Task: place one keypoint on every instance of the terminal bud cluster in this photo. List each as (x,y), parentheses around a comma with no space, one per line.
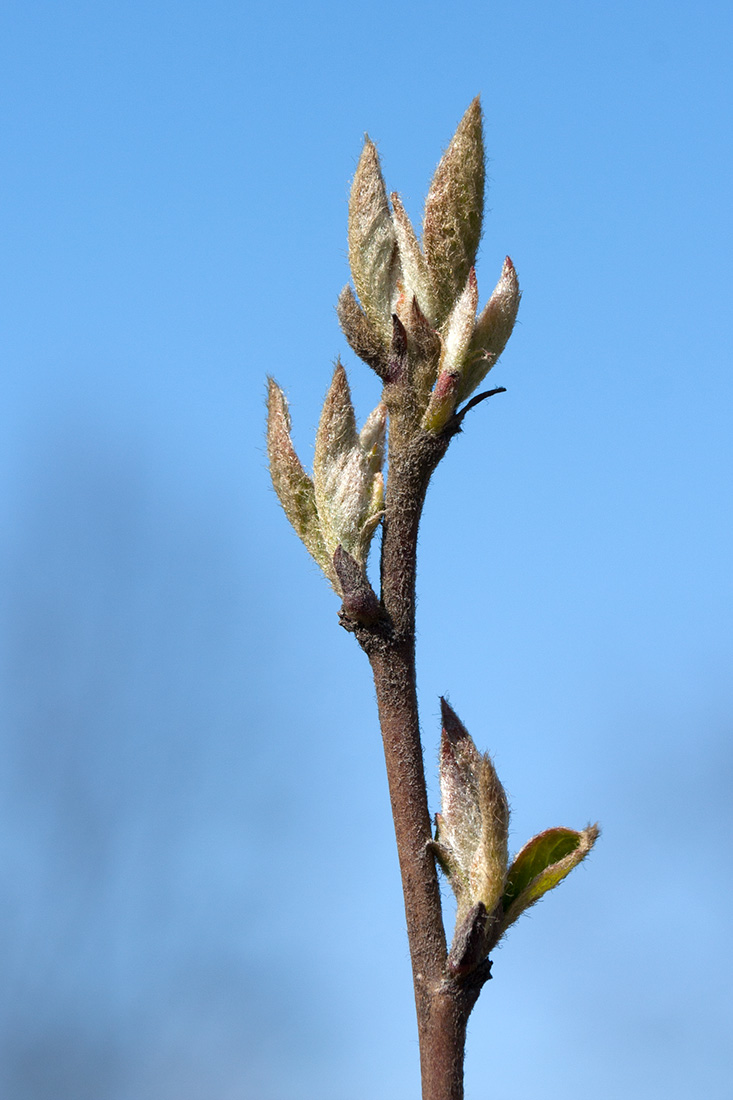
(471,847)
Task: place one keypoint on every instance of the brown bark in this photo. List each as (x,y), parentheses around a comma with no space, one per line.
(385,629)
(443,1001)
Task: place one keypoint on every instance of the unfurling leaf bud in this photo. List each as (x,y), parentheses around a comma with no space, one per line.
(492,330)
(349,488)
(431,287)
(471,848)
(454,212)
(372,242)
(343,504)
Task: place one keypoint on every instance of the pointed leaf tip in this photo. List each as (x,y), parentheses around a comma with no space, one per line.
(453,727)
(454,211)
(336,428)
(372,240)
(294,488)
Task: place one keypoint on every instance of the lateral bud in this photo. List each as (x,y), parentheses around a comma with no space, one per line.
(473,827)
(470,847)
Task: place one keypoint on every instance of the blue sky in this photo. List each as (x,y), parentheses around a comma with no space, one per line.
(201,897)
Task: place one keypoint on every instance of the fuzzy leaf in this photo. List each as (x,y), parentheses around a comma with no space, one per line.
(454,212)
(372,242)
(335,439)
(294,488)
(415,274)
(541,864)
(493,328)
(488,873)
(459,327)
(363,338)
(347,472)
(371,438)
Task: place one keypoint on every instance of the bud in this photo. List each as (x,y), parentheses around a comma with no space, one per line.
(454,212)
(471,848)
(294,488)
(348,483)
(343,504)
(472,830)
(492,330)
(372,242)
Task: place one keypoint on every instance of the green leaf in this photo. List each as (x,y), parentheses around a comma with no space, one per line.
(543,862)
(538,854)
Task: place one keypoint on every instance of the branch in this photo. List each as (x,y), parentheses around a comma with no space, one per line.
(443,999)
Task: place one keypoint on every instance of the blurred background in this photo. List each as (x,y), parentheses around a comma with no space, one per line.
(199,895)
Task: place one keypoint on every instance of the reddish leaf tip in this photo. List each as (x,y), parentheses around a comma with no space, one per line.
(453,727)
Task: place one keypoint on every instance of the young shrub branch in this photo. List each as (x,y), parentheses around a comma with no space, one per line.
(413,317)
